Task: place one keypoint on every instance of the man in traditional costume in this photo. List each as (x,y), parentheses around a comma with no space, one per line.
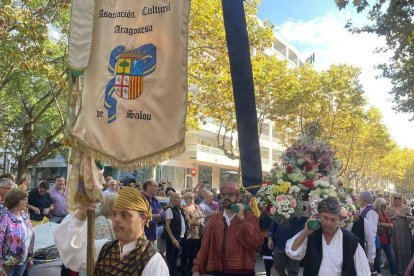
(230,240)
(328,250)
(129,254)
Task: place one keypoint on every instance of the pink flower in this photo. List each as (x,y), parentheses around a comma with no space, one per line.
(293,203)
(289,169)
(272,211)
(281,198)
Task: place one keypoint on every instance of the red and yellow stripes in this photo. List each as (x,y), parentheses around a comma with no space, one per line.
(136,84)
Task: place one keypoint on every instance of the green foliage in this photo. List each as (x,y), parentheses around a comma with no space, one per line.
(32,78)
(393,20)
(209,69)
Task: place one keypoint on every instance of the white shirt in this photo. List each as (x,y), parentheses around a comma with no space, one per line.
(108,192)
(370,231)
(169,215)
(332,256)
(70,240)
(28,235)
(228,219)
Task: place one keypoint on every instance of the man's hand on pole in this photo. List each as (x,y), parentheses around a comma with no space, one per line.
(81,213)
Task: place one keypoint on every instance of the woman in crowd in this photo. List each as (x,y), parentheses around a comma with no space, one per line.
(16,235)
(196,228)
(24,183)
(384,231)
(174,231)
(400,215)
(103,223)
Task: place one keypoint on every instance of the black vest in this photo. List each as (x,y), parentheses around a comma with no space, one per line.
(175,224)
(109,262)
(358,227)
(314,254)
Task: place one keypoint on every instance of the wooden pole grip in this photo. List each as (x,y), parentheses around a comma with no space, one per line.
(90,261)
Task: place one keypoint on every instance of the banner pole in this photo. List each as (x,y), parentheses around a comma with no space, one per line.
(90,262)
(243,91)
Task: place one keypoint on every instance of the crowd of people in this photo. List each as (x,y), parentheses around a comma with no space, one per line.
(204,232)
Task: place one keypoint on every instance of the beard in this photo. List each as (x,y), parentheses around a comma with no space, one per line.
(227,203)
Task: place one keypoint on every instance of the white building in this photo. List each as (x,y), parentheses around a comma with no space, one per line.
(211,165)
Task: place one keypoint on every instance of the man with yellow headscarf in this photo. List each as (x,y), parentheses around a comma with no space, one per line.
(129,254)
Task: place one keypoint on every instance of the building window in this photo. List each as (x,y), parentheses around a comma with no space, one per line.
(227,175)
(175,175)
(205,175)
(206,143)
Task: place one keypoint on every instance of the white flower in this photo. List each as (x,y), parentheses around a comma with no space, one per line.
(294,189)
(297,176)
(321,183)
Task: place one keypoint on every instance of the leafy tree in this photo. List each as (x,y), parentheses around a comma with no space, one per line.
(32,78)
(393,20)
(209,69)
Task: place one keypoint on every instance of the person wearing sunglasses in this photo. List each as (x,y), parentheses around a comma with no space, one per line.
(230,240)
(401,217)
(328,249)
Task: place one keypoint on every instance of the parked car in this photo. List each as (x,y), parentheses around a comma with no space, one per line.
(46,259)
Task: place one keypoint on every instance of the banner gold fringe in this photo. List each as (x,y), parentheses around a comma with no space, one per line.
(149,160)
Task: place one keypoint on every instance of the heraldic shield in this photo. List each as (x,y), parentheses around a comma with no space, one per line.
(129,68)
(129,79)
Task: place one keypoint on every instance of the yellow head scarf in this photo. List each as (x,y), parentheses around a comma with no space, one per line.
(130,198)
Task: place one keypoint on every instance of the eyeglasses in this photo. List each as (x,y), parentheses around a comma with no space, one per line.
(228,194)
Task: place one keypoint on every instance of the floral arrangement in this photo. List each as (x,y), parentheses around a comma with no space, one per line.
(278,202)
(306,174)
(305,162)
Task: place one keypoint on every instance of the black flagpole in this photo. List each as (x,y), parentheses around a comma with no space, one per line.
(243,91)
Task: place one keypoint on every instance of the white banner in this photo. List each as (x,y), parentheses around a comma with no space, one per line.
(133,101)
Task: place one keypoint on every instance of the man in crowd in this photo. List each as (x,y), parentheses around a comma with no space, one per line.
(206,206)
(169,191)
(111,187)
(365,227)
(277,236)
(158,214)
(58,195)
(129,254)
(5,185)
(231,239)
(329,249)
(40,204)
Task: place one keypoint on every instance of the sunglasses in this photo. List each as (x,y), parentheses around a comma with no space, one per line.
(399,198)
(383,206)
(228,194)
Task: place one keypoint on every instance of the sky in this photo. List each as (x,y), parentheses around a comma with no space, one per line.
(317,27)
